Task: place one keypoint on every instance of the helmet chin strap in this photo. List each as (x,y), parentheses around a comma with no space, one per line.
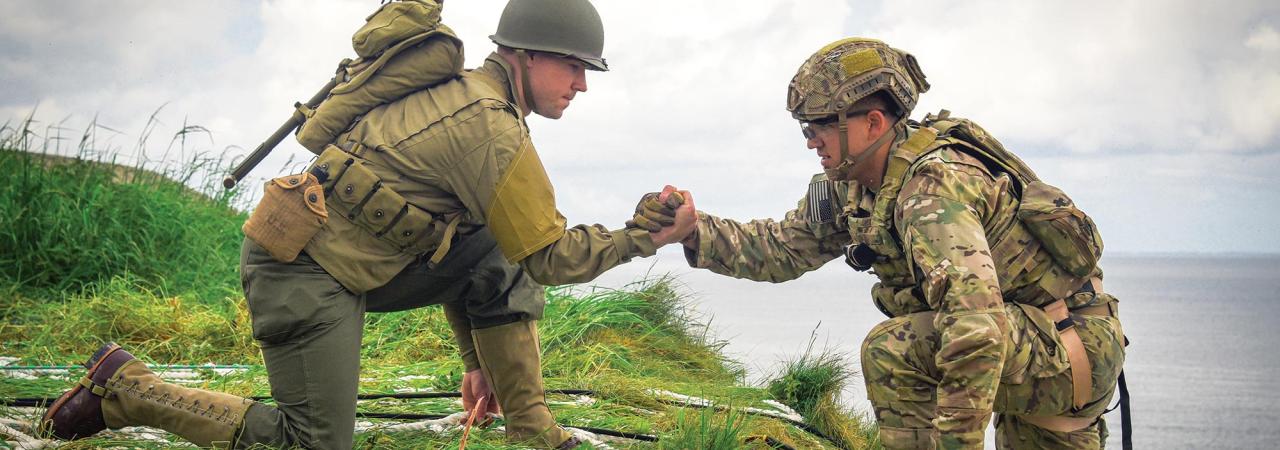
(844,171)
(523,59)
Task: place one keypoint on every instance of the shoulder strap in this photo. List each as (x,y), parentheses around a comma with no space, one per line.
(968,137)
(920,141)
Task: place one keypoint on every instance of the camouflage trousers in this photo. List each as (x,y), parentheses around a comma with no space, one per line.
(902,377)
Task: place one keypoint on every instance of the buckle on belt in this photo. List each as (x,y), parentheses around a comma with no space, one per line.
(1081,369)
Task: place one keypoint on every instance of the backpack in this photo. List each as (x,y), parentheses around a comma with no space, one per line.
(1067,233)
(402,48)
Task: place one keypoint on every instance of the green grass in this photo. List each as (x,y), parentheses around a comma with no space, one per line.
(92,251)
(68,224)
(707,430)
(811,384)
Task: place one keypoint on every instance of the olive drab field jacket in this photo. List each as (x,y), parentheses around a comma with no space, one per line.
(413,175)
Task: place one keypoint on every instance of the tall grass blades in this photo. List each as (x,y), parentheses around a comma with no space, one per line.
(707,429)
(166,329)
(811,384)
(92,250)
(67,224)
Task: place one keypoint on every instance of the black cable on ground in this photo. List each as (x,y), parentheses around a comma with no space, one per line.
(26,402)
(43,401)
(798,424)
(771,442)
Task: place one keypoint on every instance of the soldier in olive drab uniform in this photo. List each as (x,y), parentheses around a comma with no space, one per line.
(459,160)
(975,299)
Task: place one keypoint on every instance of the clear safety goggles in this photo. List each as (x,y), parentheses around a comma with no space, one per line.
(811,128)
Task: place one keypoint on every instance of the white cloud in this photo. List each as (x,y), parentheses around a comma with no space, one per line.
(1150,94)
(1097,76)
(1263,38)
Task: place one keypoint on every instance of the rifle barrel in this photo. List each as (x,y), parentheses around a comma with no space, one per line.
(266,146)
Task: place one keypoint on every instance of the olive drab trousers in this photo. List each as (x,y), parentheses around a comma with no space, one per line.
(309,328)
(900,370)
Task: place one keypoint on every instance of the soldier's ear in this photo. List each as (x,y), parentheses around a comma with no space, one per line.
(878,121)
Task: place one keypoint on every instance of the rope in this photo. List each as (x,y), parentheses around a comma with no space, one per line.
(172,372)
(680,400)
(23,441)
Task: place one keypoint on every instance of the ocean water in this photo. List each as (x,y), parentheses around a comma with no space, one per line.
(1202,366)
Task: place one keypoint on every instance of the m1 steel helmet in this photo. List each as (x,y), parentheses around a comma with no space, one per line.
(565,27)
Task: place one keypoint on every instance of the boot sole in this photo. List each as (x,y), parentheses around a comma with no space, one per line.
(46,421)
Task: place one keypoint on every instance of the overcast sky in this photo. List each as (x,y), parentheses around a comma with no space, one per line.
(1159,118)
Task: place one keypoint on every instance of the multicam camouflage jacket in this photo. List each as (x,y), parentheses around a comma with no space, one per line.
(957,221)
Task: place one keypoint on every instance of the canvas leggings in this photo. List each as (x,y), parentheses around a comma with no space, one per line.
(902,375)
(309,328)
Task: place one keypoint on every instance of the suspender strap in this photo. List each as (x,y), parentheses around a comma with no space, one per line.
(446,240)
(908,153)
(1081,383)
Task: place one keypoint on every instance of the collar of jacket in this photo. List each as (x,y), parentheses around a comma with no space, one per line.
(496,68)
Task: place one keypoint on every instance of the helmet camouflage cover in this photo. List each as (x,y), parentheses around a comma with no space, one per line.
(848,70)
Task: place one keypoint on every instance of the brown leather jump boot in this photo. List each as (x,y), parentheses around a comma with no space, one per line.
(120,391)
(77,413)
(511,362)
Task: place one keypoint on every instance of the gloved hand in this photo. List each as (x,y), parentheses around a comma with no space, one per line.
(652,214)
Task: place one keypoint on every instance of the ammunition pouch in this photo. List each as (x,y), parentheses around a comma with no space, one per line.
(1067,233)
(353,191)
(291,212)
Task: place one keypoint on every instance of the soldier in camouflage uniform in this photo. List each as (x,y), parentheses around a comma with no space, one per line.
(984,315)
(437,198)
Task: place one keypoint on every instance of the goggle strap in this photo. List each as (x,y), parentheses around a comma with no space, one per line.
(844,137)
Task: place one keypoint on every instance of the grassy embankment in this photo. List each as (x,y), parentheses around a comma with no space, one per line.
(90,250)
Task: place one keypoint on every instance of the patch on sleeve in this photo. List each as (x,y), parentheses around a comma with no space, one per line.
(821,202)
(523,216)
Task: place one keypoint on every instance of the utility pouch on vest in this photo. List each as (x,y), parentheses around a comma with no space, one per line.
(1067,233)
(1052,360)
(357,193)
(291,212)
